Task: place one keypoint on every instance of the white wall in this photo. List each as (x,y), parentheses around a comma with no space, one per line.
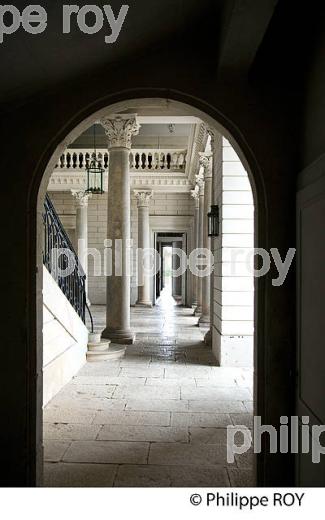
(233,320)
(65,339)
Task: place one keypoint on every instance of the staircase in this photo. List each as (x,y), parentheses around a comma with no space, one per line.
(73,286)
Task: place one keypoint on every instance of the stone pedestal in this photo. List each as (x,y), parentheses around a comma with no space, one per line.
(143,197)
(119,130)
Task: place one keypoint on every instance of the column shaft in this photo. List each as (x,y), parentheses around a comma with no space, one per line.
(206,280)
(198,310)
(144,297)
(82,235)
(82,230)
(195,195)
(118,230)
(206,161)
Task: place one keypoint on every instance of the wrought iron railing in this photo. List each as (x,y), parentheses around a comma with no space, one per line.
(61,260)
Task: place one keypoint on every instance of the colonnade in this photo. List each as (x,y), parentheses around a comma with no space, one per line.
(119,130)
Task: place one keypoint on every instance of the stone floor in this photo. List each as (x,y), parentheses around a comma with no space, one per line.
(157,417)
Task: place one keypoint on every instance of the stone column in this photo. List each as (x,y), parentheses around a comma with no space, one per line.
(143,197)
(200,183)
(206,162)
(82,198)
(195,194)
(119,130)
(214,139)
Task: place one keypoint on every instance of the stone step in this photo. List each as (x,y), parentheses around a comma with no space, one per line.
(99,347)
(114,352)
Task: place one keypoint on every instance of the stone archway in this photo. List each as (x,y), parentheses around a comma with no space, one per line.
(245,155)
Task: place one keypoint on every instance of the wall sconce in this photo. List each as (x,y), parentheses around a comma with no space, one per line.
(214,222)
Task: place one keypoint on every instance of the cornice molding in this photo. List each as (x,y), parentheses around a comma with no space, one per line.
(198,145)
(60,181)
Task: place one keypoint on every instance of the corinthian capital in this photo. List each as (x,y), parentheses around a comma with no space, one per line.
(120,129)
(206,161)
(195,193)
(81,197)
(200,183)
(143,197)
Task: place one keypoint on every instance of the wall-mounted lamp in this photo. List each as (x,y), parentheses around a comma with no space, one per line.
(214,222)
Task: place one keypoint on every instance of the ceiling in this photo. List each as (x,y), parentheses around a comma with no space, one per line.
(227,34)
(33,63)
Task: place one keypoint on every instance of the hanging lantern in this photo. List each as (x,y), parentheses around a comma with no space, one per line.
(213,222)
(95,172)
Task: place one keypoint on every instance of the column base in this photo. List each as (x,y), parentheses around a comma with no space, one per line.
(121,337)
(147,304)
(208,338)
(204,320)
(198,311)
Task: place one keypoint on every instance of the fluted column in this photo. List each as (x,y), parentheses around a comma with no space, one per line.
(196,196)
(82,198)
(206,162)
(143,197)
(200,183)
(119,130)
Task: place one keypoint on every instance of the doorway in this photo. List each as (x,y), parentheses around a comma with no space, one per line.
(171,275)
(167,270)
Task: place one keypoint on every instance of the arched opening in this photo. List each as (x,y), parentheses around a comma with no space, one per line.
(179,109)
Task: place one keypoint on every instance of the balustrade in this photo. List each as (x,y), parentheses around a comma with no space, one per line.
(141,160)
